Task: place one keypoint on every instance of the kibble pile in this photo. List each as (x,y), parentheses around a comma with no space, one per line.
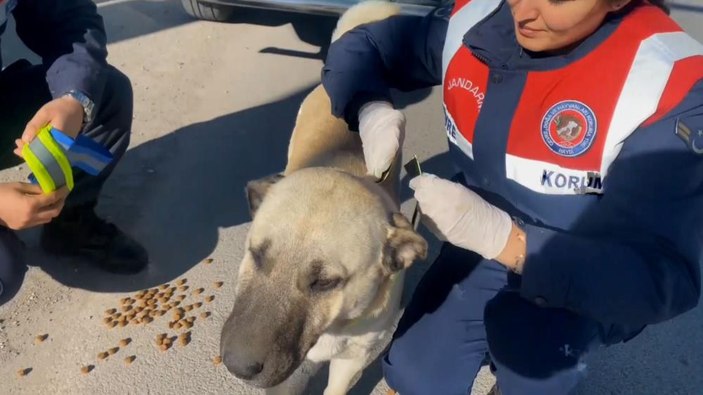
(145,308)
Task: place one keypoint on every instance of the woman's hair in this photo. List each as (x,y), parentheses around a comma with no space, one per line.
(635,3)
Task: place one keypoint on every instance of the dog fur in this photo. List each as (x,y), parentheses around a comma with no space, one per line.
(322,274)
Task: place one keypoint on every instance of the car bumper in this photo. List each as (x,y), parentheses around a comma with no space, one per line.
(320,7)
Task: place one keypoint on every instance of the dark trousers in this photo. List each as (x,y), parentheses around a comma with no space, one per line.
(466,311)
(23,90)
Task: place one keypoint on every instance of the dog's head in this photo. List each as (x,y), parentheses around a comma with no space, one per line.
(321,248)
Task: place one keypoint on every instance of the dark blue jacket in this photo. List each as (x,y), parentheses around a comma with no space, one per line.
(628,257)
(69,36)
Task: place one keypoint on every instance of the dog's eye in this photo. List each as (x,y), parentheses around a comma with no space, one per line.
(325,284)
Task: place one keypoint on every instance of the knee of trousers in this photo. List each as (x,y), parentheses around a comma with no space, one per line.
(550,341)
(115,112)
(12,265)
(410,368)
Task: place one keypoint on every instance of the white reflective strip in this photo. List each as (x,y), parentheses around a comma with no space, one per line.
(644,87)
(455,136)
(460,23)
(548,178)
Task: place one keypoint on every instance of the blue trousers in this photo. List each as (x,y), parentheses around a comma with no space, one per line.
(466,311)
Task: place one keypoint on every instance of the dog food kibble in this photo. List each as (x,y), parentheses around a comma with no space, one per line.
(198,291)
(127,308)
(209,261)
(189,307)
(123,323)
(164,346)
(210,298)
(218,284)
(41,338)
(184,339)
(113,324)
(103,355)
(129,359)
(183,288)
(107,320)
(124,300)
(198,305)
(24,372)
(205,314)
(113,350)
(182,281)
(217,360)
(87,369)
(147,319)
(163,286)
(110,311)
(124,342)
(180,297)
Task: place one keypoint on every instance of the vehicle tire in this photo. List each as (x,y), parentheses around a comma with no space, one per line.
(207,11)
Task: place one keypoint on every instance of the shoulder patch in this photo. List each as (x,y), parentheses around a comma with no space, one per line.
(693,137)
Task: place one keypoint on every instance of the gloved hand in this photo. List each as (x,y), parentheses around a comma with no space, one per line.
(459,216)
(382,131)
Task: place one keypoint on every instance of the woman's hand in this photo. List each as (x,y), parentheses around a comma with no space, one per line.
(382,131)
(459,216)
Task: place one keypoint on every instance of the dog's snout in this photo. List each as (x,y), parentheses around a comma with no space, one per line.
(243,368)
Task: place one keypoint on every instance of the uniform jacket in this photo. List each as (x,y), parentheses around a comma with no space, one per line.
(69,36)
(598,151)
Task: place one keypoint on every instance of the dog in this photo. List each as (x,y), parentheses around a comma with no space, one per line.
(323,270)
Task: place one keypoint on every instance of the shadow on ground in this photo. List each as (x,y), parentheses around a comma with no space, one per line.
(176,193)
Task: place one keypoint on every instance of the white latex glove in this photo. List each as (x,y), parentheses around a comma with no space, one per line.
(382,130)
(459,216)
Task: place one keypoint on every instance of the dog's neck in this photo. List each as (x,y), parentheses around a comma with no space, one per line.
(376,308)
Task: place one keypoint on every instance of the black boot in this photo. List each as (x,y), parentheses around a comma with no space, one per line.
(79,232)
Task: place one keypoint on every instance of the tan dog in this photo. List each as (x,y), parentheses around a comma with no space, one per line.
(322,274)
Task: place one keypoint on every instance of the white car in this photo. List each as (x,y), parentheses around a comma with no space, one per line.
(222,10)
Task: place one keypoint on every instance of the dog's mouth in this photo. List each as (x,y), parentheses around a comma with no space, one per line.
(263,353)
(278,365)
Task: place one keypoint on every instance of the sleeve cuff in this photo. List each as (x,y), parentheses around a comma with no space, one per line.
(543,282)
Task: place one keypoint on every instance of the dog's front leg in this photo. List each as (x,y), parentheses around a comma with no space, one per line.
(285,388)
(343,374)
(297,382)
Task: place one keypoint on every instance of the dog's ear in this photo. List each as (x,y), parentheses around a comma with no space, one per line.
(403,245)
(256,191)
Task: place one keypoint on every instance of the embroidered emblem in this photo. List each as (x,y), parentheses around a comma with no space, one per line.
(569,128)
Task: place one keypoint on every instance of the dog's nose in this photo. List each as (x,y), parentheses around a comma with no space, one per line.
(241,367)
